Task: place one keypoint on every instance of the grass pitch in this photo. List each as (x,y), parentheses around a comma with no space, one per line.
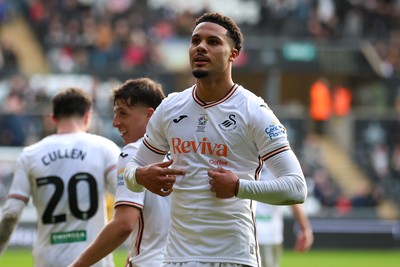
(313,258)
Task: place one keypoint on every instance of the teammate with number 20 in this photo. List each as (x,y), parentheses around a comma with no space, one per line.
(67,175)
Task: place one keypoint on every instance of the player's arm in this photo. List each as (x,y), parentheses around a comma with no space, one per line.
(289,187)
(111,236)
(111,153)
(147,170)
(305,236)
(271,139)
(11,213)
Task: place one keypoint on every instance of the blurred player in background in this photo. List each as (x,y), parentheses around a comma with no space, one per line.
(270,229)
(146,214)
(218,134)
(67,175)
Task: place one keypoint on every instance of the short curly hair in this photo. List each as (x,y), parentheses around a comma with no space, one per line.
(233,29)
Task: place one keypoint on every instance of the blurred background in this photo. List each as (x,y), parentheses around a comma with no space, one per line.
(330,70)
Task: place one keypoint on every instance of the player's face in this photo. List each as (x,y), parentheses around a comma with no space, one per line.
(210,50)
(130,121)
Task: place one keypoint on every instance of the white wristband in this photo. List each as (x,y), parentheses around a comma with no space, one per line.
(130,180)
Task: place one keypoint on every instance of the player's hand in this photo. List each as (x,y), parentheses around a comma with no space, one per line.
(223,182)
(304,241)
(158,178)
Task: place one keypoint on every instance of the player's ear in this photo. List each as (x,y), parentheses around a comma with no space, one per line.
(53,119)
(234,54)
(149,112)
(87,117)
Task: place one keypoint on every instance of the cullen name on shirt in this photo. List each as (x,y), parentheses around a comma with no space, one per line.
(65,154)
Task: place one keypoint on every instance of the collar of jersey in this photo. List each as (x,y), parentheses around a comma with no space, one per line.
(214,103)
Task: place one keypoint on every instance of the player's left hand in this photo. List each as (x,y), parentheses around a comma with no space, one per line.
(304,240)
(223,182)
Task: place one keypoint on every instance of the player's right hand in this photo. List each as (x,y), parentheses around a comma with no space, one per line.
(158,178)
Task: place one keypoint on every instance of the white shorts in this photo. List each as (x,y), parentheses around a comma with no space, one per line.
(202,264)
(271,255)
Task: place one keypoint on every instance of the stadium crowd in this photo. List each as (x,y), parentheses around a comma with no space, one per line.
(129,35)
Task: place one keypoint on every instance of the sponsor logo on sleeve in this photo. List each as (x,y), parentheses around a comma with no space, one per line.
(275,130)
(120,177)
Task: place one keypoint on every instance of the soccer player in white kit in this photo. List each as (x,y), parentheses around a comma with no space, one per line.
(219,134)
(270,229)
(144,215)
(67,174)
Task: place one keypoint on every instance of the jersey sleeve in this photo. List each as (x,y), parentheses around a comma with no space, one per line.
(153,149)
(123,195)
(268,132)
(155,137)
(288,188)
(270,137)
(111,155)
(20,186)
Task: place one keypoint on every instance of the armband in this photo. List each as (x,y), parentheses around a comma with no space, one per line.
(130,181)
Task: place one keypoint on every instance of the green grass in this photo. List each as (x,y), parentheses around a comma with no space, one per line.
(23,258)
(313,258)
(342,258)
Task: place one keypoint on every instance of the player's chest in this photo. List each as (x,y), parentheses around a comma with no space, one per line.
(196,126)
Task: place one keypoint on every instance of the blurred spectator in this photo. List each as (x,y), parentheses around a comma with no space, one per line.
(394,127)
(367,196)
(119,6)
(341,101)
(135,53)
(311,155)
(6,11)
(8,57)
(320,105)
(105,53)
(12,121)
(324,189)
(395,160)
(38,16)
(380,161)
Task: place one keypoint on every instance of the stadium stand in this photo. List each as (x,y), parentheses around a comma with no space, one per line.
(28,51)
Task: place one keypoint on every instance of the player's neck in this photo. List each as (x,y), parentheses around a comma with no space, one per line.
(70,126)
(209,91)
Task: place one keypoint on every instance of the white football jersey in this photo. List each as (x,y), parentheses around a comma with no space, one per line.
(67,176)
(269,218)
(150,234)
(237,132)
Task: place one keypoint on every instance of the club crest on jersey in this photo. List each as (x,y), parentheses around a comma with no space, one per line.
(202,120)
(228,124)
(275,129)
